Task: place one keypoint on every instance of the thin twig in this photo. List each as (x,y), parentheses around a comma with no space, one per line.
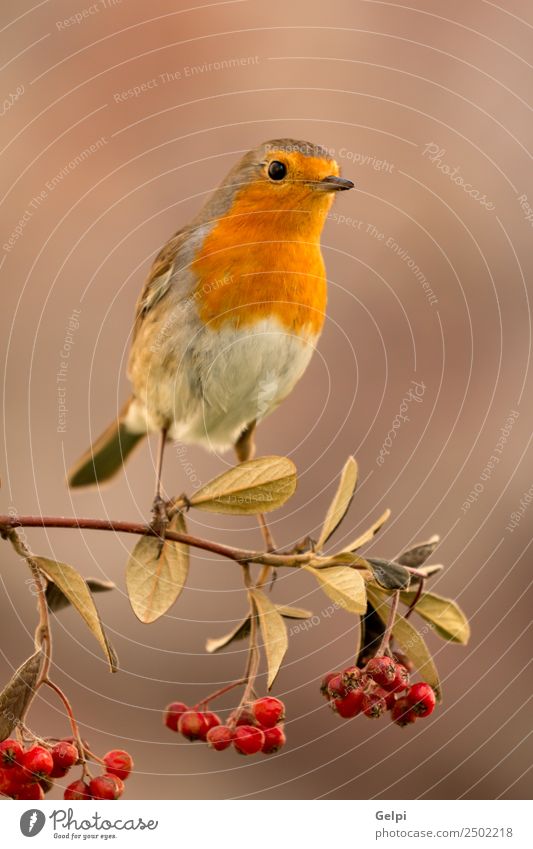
(72,719)
(416,598)
(385,640)
(212,696)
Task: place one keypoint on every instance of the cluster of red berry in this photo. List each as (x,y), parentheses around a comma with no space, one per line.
(256,727)
(30,773)
(383,684)
(118,765)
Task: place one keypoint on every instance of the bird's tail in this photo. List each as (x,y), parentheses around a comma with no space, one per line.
(106,456)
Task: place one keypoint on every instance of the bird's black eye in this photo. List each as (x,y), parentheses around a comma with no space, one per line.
(277,170)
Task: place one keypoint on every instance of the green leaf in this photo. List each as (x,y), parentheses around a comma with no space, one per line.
(239,633)
(57,600)
(389,575)
(409,639)
(445,615)
(293,612)
(156,573)
(368,535)
(341,502)
(75,588)
(256,486)
(419,553)
(344,585)
(273,631)
(16,695)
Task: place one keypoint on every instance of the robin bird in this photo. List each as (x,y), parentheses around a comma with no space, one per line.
(230,313)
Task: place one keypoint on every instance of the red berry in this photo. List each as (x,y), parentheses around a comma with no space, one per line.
(30,791)
(192,725)
(373,705)
(64,755)
(11,753)
(172,714)
(5,782)
(350,705)
(219,737)
(57,772)
(388,697)
(324,684)
(10,780)
(38,762)
(402,713)
(16,776)
(268,711)
(77,791)
(118,762)
(336,688)
(274,740)
(351,678)
(248,740)
(246,716)
(106,787)
(382,670)
(421,697)
(400,681)
(212,720)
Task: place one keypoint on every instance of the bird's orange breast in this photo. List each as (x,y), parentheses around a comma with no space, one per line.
(259,263)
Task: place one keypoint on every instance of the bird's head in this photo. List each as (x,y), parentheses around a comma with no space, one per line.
(287,183)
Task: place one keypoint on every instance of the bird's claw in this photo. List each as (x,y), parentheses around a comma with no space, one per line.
(160,518)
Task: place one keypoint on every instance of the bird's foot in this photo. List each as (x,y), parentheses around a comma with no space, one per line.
(160,518)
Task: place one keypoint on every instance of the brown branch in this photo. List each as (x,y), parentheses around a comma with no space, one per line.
(236,554)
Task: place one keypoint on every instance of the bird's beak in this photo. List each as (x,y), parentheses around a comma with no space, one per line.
(334,184)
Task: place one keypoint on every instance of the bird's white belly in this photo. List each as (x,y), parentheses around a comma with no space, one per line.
(242,375)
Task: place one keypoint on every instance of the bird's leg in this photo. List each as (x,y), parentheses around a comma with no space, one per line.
(245,450)
(159,508)
(245,445)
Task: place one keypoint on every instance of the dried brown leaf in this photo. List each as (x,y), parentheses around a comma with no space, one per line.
(447,618)
(409,639)
(57,600)
(344,585)
(16,695)
(341,502)
(273,631)
(369,534)
(240,632)
(75,588)
(256,486)
(156,573)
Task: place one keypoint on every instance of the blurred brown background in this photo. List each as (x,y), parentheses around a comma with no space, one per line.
(377,82)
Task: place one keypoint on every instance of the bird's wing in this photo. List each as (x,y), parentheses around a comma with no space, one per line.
(159,281)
